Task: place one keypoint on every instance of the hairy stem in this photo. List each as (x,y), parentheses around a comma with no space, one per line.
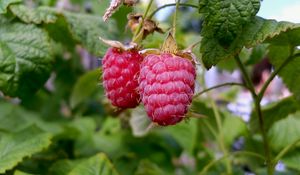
(169,5)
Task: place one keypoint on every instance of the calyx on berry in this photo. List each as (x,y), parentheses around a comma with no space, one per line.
(170,46)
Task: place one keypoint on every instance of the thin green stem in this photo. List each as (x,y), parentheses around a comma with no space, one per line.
(169,5)
(249,154)
(274,74)
(285,150)
(175,18)
(259,113)
(213,162)
(246,76)
(137,32)
(265,139)
(219,136)
(218,86)
(210,128)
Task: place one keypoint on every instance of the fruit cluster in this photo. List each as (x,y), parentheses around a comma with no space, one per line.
(163,82)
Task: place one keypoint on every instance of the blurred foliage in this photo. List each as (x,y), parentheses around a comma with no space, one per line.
(55,119)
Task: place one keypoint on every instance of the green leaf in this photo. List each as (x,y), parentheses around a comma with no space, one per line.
(257,54)
(285,132)
(36,16)
(202,107)
(59,32)
(108,139)
(85,86)
(17,172)
(258,31)
(274,112)
(25,58)
(98,164)
(155,41)
(84,29)
(86,128)
(212,52)
(16,146)
(185,133)
(232,128)
(87,29)
(14,118)
(224,23)
(226,18)
(148,168)
(292,160)
(262,30)
(63,167)
(290,73)
(5,3)
(139,122)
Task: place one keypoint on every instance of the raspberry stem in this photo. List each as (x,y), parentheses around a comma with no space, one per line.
(219,86)
(137,32)
(172,4)
(175,19)
(219,135)
(258,110)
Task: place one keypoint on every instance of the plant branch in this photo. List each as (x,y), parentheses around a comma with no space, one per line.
(219,86)
(136,34)
(273,75)
(259,113)
(265,139)
(169,5)
(247,79)
(175,19)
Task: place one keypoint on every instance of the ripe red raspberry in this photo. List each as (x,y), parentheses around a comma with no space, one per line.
(166,87)
(120,77)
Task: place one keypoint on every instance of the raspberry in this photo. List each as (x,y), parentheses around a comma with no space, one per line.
(120,77)
(166,87)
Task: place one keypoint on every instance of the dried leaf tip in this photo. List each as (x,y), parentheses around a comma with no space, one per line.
(118,44)
(114,4)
